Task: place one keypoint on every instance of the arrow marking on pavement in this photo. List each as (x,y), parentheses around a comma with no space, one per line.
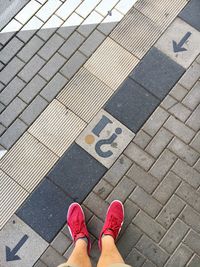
(178,47)
(11,254)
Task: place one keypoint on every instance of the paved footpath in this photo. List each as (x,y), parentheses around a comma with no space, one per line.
(100,101)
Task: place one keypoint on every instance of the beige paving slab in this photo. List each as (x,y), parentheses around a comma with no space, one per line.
(105,138)
(178,31)
(28,161)
(57,127)
(85,94)
(11,197)
(19,244)
(111,63)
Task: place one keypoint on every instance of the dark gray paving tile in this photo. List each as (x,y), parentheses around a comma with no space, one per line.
(77,172)
(132,105)
(45,210)
(191,14)
(157,73)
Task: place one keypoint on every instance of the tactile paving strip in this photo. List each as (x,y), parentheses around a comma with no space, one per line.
(57,127)
(85,94)
(28,162)
(111,63)
(11,197)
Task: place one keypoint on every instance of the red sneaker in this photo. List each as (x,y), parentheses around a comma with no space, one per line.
(114,221)
(76,223)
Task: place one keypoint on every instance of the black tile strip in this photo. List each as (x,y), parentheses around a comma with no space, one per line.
(157,73)
(132,105)
(191,14)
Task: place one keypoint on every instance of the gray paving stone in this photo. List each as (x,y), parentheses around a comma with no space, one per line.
(87,212)
(183,151)
(30,48)
(31,68)
(135,258)
(13,132)
(163,164)
(193,120)
(40,264)
(142,178)
(2,107)
(196,142)
(53,65)
(148,264)
(122,190)
(95,226)
(128,240)
(146,202)
(11,70)
(191,218)
(103,189)
(167,187)
(180,257)
(197,166)
(131,105)
(159,142)
(191,14)
(195,261)
(53,87)
(187,173)
(191,76)
(11,90)
(33,110)
(91,43)
(69,251)
(156,64)
(174,236)
(1,86)
(71,45)
(12,111)
(179,129)
(10,50)
(180,112)
(147,247)
(148,225)
(61,243)
(193,240)
(198,59)
(156,120)
(141,139)
(178,92)
(130,209)
(192,99)
(139,156)
(51,46)
(73,64)
(52,258)
(168,102)
(118,170)
(32,89)
(7,33)
(2,129)
(189,195)
(170,211)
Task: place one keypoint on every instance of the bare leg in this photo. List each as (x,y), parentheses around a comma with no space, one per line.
(110,253)
(79,256)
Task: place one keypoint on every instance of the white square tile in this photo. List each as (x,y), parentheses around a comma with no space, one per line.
(48,9)
(28,11)
(67,8)
(86,7)
(105,138)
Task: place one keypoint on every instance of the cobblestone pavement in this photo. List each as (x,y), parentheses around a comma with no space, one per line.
(100,139)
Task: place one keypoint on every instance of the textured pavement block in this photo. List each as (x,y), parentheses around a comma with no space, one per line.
(103,189)
(151,228)
(52,258)
(71,45)
(191,218)
(178,92)
(180,257)
(152,251)
(168,102)
(155,64)
(184,151)
(12,111)
(28,11)
(30,48)
(195,261)
(53,87)
(163,164)
(141,139)
(77,165)
(32,89)
(51,46)
(167,187)
(191,14)
(139,156)
(33,110)
(136,258)
(174,236)
(39,263)
(61,243)
(148,264)
(193,240)
(11,70)
(196,142)
(131,105)
(180,111)
(193,120)
(192,99)
(31,68)
(130,209)
(190,77)
(187,173)
(45,210)
(13,132)
(48,9)
(10,50)
(146,202)
(142,178)
(11,28)
(170,211)
(95,226)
